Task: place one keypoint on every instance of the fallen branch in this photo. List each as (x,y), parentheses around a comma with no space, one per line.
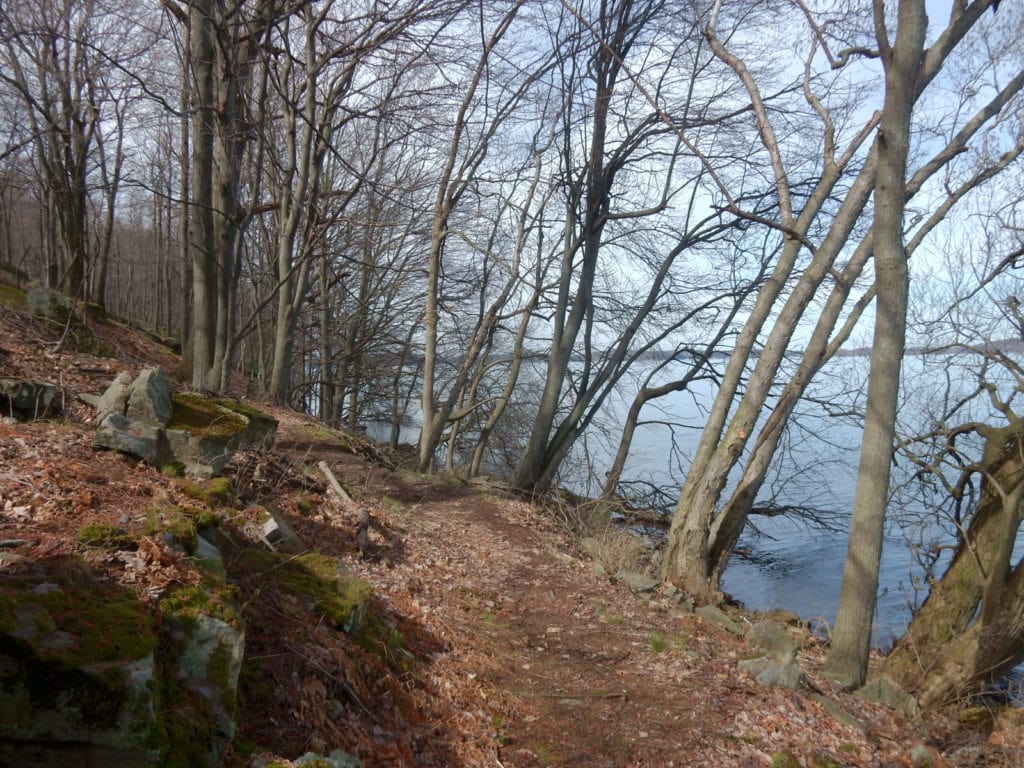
(333,481)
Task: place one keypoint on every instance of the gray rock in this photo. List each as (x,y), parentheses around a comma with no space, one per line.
(120,434)
(280,536)
(114,398)
(783,675)
(770,672)
(887,691)
(63,696)
(717,616)
(48,303)
(838,714)
(638,582)
(149,399)
(133,417)
(773,639)
(782,616)
(210,662)
(599,570)
(208,555)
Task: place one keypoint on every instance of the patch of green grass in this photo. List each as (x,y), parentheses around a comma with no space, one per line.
(392,506)
(610,617)
(173,469)
(785,760)
(822,760)
(500,725)
(658,641)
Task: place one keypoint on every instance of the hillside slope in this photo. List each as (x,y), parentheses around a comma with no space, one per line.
(490,639)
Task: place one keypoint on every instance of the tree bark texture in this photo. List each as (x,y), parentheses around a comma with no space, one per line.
(970,630)
(851,637)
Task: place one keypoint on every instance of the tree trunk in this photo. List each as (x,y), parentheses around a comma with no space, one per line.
(202,59)
(851,638)
(951,646)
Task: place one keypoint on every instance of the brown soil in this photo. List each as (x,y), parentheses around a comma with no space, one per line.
(495,642)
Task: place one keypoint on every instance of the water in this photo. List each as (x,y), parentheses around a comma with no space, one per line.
(784,562)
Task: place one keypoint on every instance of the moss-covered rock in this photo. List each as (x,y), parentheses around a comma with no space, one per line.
(215,492)
(143,418)
(340,598)
(76,672)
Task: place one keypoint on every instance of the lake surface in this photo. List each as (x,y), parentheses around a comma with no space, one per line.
(784,562)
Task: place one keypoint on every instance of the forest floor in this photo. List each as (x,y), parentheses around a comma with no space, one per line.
(503,646)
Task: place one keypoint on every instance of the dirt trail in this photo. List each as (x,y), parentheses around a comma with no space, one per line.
(577,671)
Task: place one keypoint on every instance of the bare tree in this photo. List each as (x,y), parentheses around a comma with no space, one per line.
(701,538)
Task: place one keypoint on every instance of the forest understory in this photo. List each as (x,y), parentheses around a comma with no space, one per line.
(497,642)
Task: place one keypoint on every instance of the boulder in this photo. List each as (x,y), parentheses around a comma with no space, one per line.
(278,534)
(77,684)
(209,662)
(638,582)
(141,440)
(149,400)
(769,672)
(717,616)
(887,691)
(114,398)
(772,639)
(144,418)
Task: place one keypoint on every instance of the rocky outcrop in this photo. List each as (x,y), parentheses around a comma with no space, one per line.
(25,399)
(77,664)
(144,418)
(90,677)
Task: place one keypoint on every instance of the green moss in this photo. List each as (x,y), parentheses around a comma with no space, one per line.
(784,760)
(173,469)
(182,523)
(186,730)
(105,536)
(609,617)
(202,416)
(822,760)
(98,698)
(97,624)
(209,597)
(383,641)
(216,492)
(392,506)
(340,598)
(13,298)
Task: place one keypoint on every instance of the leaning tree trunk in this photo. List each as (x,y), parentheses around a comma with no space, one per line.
(951,646)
